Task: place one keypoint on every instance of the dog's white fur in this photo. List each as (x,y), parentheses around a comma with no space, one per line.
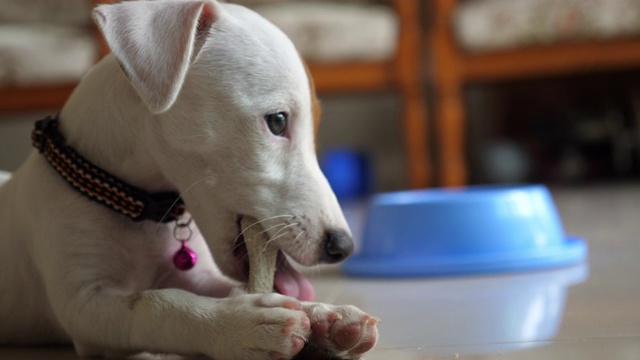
(179,106)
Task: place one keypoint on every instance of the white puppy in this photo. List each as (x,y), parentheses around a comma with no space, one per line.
(199,98)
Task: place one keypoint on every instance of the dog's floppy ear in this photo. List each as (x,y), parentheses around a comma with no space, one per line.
(155,41)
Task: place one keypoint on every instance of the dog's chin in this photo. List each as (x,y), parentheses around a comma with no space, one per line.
(287,280)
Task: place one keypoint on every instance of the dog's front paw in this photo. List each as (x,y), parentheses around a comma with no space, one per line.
(339,332)
(270,326)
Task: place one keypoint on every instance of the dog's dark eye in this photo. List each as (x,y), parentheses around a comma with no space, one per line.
(277,123)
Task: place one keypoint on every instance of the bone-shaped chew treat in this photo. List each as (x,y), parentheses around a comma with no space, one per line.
(262,257)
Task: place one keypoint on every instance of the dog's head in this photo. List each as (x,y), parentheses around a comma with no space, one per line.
(234,112)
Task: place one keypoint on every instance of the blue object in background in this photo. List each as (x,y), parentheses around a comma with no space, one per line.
(348,172)
(482,229)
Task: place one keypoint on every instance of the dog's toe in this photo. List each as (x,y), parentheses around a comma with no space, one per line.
(340,332)
(366,339)
(352,339)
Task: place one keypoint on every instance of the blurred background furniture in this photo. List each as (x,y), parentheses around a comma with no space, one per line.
(475,41)
(45,48)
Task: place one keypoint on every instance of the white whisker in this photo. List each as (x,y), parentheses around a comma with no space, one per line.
(258,222)
(176,201)
(235,241)
(298,236)
(277,235)
(275,238)
(274,226)
(284,228)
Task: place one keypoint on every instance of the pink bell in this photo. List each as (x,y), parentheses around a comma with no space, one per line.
(185,258)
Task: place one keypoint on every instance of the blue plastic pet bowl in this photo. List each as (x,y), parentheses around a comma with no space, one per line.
(472,230)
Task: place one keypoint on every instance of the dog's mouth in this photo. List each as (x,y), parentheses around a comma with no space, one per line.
(287,280)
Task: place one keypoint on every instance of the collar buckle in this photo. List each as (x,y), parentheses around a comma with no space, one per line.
(162,207)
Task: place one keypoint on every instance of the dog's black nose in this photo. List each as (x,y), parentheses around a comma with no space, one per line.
(337,247)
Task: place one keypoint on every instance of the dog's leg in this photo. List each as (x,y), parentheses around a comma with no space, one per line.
(105,322)
(343,332)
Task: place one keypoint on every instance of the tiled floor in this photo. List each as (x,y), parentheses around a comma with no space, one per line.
(591,311)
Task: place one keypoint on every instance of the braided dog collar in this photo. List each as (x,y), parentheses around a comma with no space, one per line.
(97,184)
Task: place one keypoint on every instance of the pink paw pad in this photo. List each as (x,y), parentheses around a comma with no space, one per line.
(296,345)
(358,337)
(347,336)
(276,355)
(292,323)
(320,329)
(366,345)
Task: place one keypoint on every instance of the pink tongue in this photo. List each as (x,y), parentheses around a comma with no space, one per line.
(290,282)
